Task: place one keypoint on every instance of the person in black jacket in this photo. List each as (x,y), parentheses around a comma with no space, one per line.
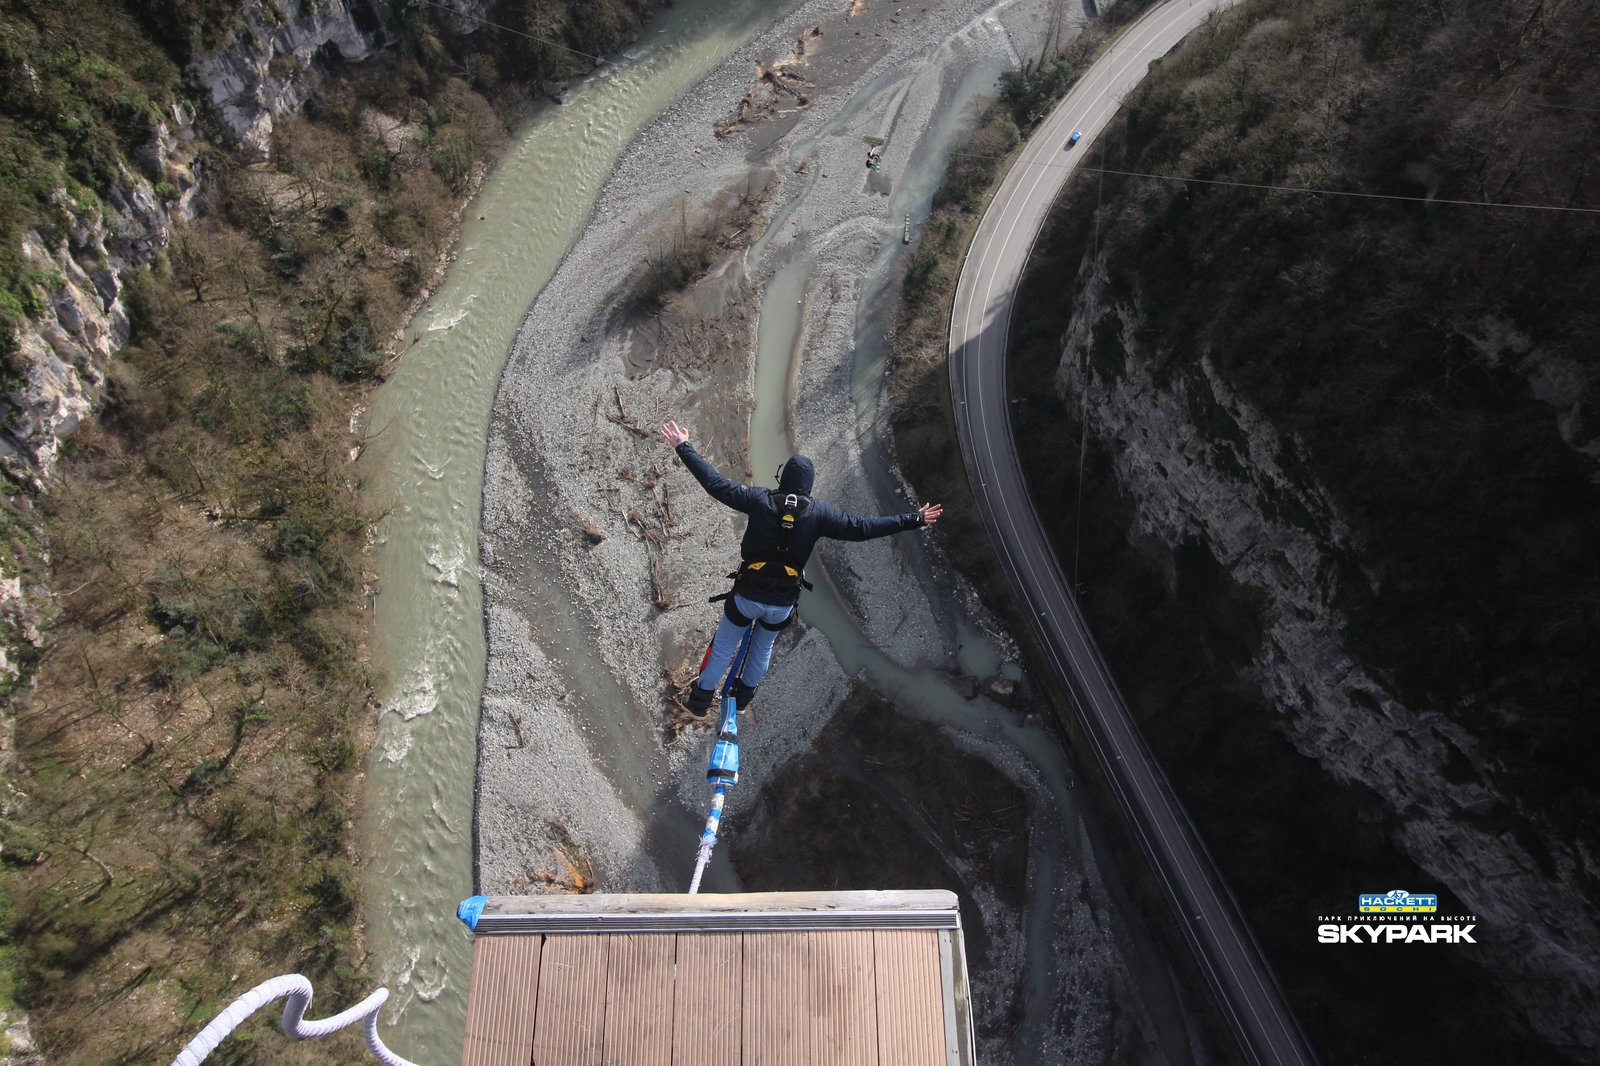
(784,526)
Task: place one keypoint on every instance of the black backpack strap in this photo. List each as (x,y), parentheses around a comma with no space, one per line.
(789,507)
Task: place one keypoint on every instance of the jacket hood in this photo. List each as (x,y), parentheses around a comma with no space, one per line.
(798,476)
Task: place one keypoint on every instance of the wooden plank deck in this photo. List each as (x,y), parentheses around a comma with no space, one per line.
(569,1029)
(640,991)
(708,999)
(500,1004)
(786,997)
(910,1000)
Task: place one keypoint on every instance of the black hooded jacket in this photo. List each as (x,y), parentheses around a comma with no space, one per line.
(762,535)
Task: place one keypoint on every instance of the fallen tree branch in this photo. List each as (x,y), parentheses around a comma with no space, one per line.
(623,419)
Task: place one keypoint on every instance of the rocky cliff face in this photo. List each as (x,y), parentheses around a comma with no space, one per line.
(79,319)
(19,1048)
(269,67)
(1555,380)
(1199,462)
(65,348)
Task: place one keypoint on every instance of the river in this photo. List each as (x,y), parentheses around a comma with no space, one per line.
(425,464)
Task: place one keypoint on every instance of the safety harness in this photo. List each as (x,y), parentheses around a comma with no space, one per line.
(773,570)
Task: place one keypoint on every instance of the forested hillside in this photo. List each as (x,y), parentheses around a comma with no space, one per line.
(194,300)
(1338,525)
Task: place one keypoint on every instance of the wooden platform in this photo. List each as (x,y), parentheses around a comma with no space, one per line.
(759,979)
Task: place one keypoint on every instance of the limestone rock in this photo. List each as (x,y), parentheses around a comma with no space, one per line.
(18,1048)
(62,352)
(1562,383)
(268,68)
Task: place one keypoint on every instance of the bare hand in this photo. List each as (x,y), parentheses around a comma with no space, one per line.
(674,433)
(930,513)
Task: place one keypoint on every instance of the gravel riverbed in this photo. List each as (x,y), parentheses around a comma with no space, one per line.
(598,550)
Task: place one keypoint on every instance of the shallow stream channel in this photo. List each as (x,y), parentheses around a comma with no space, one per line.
(545,562)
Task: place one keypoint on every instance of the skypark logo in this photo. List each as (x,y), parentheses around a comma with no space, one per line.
(1397,917)
(1397,901)
(1395,933)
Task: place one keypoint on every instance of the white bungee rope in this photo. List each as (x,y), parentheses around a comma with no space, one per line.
(298,989)
(723,773)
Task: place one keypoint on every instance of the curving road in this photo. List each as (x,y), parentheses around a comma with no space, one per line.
(1245,988)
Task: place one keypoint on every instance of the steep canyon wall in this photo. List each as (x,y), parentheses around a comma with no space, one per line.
(1356,439)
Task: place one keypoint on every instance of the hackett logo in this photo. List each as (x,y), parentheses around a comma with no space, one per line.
(1387,933)
(1397,901)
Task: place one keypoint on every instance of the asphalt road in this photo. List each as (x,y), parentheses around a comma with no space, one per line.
(1245,988)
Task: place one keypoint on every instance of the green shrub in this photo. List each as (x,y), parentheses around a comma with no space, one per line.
(453,154)
(921,276)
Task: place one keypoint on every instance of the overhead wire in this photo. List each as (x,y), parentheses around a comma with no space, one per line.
(508,29)
(1117,45)
(1528,101)
(1294,188)
(1345,192)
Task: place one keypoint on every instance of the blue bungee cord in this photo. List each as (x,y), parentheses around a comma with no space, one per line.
(723,770)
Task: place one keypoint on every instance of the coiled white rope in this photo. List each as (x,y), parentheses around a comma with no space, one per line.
(298,989)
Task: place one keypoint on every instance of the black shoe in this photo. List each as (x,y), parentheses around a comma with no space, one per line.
(699,701)
(743,694)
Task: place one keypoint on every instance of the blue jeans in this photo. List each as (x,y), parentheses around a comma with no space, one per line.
(726,642)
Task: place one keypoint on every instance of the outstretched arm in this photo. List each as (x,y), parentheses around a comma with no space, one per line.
(739,497)
(840,525)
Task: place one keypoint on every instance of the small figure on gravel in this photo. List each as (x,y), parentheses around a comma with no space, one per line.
(784,526)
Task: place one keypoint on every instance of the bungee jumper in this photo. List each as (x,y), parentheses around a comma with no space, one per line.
(784,526)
